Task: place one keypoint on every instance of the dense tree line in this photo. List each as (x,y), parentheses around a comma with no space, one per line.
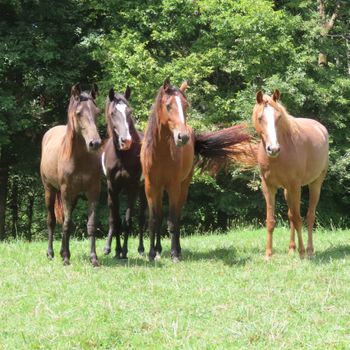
(226,49)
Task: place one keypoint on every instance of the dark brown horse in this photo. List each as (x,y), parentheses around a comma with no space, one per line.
(122,167)
(167,157)
(70,164)
(293,152)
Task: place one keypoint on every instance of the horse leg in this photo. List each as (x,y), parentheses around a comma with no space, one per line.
(293,201)
(173,221)
(292,229)
(67,203)
(91,226)
(269,194)
(142,219)
(50,196)
(114,219)
(314,196)
(154,199)
(132,194)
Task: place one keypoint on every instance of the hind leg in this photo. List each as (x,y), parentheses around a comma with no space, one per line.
(142,219)
(50,196)
(314,196)
(91,224)
(292,245)
(132,194)
(293,200)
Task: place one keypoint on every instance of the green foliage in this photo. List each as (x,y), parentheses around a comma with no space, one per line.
(227,50)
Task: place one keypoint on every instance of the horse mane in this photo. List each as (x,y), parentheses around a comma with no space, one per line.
(69,136)
(287,123)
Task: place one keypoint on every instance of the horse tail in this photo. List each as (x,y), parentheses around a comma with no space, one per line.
(59,208)
(217,149)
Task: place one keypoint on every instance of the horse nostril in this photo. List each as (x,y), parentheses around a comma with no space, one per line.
(94,144)
(122,140)
(179,136)
(268,148)
(185,138)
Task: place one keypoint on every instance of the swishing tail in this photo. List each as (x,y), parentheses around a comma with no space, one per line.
(218,148)
(59,208)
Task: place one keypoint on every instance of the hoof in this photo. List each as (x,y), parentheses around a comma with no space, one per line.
(151,256)
(157,257)
(291,250)
(50,256)
(66,262)
(95,263)
(176,259)
(141,251)
(302,255)
(310,252)
(107,251)
(267,257)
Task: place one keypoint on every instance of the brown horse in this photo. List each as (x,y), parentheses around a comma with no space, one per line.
(167,157)
(122,167)
(70,164)
(293,152)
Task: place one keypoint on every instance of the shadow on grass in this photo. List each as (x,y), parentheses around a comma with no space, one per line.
(332,253)
(227,255)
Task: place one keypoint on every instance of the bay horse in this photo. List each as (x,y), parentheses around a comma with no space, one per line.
(122,167)
(168,159)
(293,152)
(70,164)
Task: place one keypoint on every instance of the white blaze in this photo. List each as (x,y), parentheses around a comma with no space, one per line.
(179,107)
(121,107)
(271,128)
(103,164)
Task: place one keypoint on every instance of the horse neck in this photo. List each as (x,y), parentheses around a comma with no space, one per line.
(74,144)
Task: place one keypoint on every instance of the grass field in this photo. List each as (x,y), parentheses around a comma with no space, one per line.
(223,295)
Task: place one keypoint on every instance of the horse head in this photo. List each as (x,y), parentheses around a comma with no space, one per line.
(118,114)
(82,114)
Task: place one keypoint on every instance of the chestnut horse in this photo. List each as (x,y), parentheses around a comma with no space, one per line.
(70,164)
(167,158)
(293,152)
(122,167)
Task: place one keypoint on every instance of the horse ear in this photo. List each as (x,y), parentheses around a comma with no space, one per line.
(276,95)
(166,84)
(184,86)
(94,91)
(259,97)
(75,91)
(127,92)
(111,94)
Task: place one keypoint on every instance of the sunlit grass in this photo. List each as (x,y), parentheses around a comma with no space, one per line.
(223,295)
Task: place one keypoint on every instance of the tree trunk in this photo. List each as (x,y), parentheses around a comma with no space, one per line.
(4,172)
(31,198)
(327,26)
(14,207)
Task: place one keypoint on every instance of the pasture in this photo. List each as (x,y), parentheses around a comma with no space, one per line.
(222,295)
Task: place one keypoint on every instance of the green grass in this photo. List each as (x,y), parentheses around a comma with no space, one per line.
(223,295)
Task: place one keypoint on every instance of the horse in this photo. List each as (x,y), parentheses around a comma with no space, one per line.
(293,152)
(122,167)
(168,159)
(70,164)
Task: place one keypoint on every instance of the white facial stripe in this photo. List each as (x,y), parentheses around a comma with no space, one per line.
(103,164)
(179,107)
(121,107)
(271,128)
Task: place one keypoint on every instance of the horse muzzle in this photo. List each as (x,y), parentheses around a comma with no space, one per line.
(181,138)
(124,143)
(273,151)
(94,145)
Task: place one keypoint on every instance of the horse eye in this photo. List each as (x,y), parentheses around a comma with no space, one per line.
(168,107)
(260,118)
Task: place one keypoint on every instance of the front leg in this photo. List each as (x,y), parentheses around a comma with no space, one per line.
(269,194)
(67,203)
(154,199)
(132,194)
(91,227)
